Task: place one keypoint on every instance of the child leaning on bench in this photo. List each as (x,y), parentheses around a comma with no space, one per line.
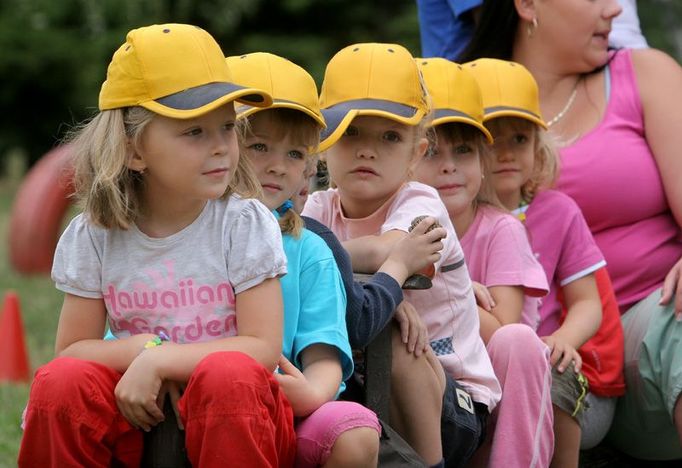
(169,237)
(374,103)
(524,166)
(280,143)
(507,277)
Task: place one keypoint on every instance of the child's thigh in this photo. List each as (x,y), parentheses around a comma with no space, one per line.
(463,424)
(317,433)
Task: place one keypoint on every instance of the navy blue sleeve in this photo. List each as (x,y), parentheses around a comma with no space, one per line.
(370,305)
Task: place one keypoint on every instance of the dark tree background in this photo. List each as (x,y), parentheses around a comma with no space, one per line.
(53,54)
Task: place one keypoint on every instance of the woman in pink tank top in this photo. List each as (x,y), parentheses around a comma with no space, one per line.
(618,117)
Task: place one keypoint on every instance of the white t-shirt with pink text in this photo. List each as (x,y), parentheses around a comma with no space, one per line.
(184,284)
(448,309)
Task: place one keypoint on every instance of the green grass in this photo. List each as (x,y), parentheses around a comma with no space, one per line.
(40,304)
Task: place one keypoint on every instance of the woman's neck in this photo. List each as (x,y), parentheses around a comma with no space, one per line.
(554,83)
(462,221)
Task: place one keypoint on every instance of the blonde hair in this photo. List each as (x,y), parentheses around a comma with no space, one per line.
(108,192)
(546,159)
(459,131)
(301,129)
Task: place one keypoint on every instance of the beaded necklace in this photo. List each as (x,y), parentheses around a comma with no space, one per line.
(520,212)
(568,105)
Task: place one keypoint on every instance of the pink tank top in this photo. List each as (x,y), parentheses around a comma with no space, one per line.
(612,175)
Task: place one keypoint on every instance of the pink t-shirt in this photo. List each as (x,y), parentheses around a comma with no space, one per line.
(612,175)
(448,309)
(498,253)
(564,246)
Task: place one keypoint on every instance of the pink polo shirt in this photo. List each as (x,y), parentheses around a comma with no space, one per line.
(564,247)
(448,309)
(498,253)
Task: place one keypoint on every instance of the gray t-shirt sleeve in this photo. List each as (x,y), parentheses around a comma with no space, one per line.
(77,265)
(255,252)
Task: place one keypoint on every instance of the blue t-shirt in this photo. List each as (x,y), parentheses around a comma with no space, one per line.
(445,26)
(314,300)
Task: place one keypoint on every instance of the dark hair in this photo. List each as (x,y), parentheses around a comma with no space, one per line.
(495,33)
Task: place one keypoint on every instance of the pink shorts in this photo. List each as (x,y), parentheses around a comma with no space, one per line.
(316,434)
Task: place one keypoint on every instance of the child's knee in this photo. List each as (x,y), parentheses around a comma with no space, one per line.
(222,370)
(65,379)
(356,447)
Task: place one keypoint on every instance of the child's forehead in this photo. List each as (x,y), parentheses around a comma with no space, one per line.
(510,124)
(376,122)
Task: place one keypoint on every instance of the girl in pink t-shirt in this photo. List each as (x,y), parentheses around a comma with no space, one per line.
(374,103)
(525,161)
(507,276)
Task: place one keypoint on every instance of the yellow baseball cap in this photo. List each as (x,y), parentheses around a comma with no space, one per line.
(289,85)
(508,88)
(370,79)
(455,95)
(175,70)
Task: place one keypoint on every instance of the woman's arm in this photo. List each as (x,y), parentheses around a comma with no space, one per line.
(659,78)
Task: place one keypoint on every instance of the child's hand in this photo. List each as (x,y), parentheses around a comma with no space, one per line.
(138,390)
(562,353)
(174,391)
(296,388)
(413,332)
(419,249)
(483,297)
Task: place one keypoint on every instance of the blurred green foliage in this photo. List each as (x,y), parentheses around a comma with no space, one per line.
(53,54)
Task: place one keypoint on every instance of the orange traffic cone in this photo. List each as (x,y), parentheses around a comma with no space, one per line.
(13,356)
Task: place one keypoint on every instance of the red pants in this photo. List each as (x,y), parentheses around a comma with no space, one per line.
(233,412)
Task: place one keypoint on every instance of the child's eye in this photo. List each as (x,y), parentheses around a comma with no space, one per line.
(229,126)
(462,149)
(520,138)
(392,136)
(294,154)
(260,147)
(193,132)
(351,131)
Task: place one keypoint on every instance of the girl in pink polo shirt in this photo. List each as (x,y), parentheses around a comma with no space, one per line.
(506,275)
(524,162)
(374,102)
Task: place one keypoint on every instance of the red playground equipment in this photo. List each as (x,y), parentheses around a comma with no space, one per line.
(39,208)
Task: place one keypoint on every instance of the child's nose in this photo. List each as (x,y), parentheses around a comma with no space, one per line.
(449,165)
(504,153)
(366,152)
(276,165)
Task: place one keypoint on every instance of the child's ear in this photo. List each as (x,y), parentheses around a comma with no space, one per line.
(420,151)
(422,146)
(134,161)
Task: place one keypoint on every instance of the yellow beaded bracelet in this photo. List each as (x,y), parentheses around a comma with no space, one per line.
(156,341)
